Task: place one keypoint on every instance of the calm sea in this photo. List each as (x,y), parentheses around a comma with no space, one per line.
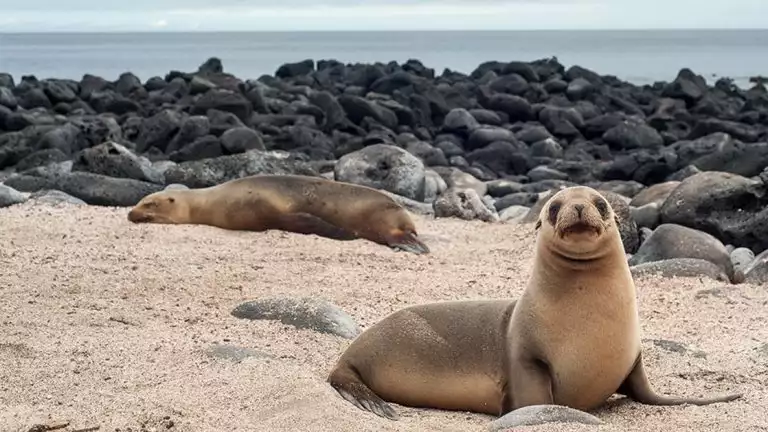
(637,56)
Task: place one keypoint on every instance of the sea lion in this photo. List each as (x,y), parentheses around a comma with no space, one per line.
(572,338)
(294,203)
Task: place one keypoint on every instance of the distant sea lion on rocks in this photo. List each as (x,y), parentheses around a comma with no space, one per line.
(572,338)
(294,203)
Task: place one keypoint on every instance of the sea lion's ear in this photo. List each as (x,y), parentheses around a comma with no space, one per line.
(538,225)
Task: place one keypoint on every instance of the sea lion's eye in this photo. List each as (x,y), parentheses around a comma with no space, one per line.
(554,209)
(601,207)
(171,200)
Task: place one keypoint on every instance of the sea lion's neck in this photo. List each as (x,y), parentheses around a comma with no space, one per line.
(198,208)
(559,275)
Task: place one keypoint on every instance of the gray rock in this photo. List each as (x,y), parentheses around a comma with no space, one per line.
(241,139)
(418,207)
(676,241)
(757,271)
(647,216)
(541,172)
(527,199)
(10,196)
(459,120)
(304,313)
(94,189)
(513,214)
(458,179)
(679,267)
(501,187)
(114,160)
(383,167)
(533,415)
(730,207)
(55,197)
(463,204)
(742,258)
(434,186)
(233,353)
(657,194)
(210,172)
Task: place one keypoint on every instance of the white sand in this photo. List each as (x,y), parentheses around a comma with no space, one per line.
(105,323)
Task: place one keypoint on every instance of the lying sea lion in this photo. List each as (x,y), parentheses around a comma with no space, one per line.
(294,203)
(572,338)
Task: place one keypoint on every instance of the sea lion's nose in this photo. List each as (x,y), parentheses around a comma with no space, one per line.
(579,209)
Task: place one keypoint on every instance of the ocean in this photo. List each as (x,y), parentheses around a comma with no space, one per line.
(641,57)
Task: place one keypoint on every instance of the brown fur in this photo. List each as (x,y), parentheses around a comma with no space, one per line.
(301,204)
(572,338)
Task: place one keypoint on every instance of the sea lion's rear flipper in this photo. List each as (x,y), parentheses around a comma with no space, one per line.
(349,386)
(305,223)
(407,241)
(637,387)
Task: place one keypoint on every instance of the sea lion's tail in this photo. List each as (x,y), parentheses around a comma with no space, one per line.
(407,241)
(347,382)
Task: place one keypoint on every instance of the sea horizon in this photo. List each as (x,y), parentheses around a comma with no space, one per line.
(640,56)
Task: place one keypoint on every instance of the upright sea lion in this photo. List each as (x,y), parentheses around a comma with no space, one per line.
(572,338)
(294,203)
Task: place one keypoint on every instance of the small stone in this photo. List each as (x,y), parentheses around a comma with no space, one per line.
(304,313)
(533,415)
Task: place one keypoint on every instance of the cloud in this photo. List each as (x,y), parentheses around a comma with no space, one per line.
(161,23)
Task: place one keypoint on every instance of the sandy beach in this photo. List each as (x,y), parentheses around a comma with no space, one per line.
(105,323)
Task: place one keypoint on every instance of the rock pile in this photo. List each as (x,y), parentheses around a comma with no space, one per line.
(488,145)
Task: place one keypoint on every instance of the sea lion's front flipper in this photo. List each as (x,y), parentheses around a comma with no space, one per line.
(305,223)
(637,387)
(407,241)
(529,383)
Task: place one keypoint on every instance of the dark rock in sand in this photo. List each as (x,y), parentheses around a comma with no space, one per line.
(303,313)
(671,241)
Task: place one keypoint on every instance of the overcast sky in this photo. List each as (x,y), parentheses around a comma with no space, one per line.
(255,15)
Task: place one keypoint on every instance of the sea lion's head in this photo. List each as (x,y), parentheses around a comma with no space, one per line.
(160,207)
(577,223)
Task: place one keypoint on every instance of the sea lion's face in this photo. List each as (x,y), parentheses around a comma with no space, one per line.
(576,223)
(159,207)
